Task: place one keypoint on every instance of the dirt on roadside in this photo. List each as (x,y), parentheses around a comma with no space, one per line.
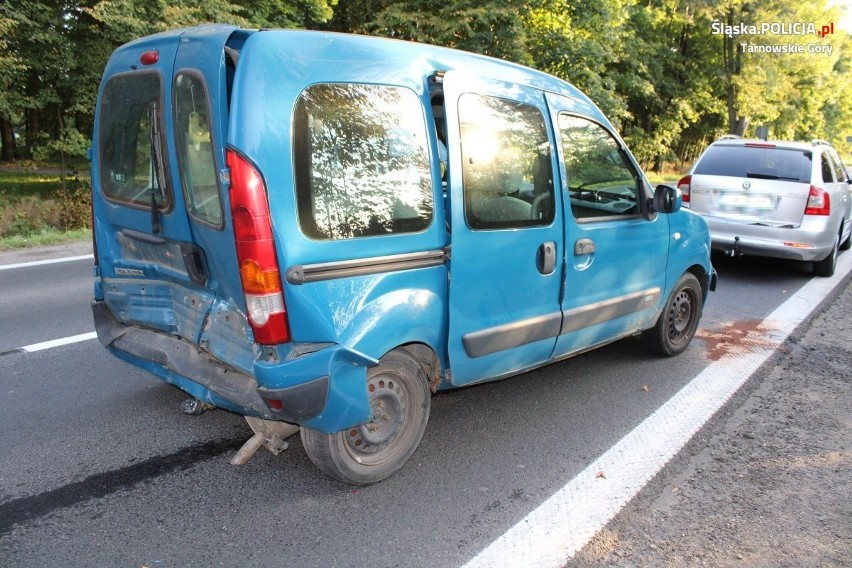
(768,482)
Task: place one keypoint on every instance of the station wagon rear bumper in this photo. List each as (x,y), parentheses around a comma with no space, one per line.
(289,390)
(812,240)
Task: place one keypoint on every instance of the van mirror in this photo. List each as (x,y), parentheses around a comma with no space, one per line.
(667,199)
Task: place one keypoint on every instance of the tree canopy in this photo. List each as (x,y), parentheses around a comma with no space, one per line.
(672,74)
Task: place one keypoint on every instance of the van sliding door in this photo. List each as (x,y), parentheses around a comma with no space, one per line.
(507,238)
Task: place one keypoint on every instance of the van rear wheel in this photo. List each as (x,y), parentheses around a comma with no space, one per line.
(399,397)
(678,322)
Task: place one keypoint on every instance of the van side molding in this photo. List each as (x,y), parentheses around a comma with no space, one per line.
(515,334)
(304,273)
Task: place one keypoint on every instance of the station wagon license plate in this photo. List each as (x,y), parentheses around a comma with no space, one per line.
(739,201)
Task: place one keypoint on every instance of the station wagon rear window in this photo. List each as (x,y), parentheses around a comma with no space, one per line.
(129,139)
(756,162)
(361,162)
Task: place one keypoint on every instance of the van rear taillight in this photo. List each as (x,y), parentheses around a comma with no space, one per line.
(818,202)
(149,57)
(259,273)
(684,185)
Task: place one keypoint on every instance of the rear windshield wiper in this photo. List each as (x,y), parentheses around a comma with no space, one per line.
(759,175)
(156,172)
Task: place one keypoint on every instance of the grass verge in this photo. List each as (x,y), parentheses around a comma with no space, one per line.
(35,209)
(43,238)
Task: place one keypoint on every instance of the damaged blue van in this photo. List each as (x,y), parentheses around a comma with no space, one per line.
(319,231)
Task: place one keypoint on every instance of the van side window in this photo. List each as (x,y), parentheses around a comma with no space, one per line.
(602,183)
(506,167)
(128,142)
(361,161)
(195,150)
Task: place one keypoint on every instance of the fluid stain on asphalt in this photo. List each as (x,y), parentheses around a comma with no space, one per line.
(102,484)
(736,337)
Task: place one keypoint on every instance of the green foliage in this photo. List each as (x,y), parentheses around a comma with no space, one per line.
(287,13)
(71,143)
(581,42)
(26,181)
(74,204)
(27,216)
(655,67)
(494,28)
(32,203)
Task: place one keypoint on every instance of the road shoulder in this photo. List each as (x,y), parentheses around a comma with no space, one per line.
(33,254)
(766,482)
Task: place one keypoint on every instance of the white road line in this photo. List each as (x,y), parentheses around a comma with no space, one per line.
(47,261)
(57,342)
(558,528)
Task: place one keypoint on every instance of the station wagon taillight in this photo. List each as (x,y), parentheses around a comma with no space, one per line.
(684,186)
(259,273)
(818,202)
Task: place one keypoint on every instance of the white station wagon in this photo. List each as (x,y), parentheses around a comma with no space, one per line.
(774,199)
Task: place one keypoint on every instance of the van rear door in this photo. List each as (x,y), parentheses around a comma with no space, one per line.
(140,218)
(204,67)
(164,241)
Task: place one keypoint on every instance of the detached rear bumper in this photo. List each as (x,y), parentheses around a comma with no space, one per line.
(325,389)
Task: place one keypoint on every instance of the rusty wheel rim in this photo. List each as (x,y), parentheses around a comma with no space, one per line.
(681,316)
(373,442)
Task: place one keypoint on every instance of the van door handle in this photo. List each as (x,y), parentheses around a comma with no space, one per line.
(583,247)
(546,257)
(193,260)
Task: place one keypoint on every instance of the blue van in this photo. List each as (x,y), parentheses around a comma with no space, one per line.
(319,231)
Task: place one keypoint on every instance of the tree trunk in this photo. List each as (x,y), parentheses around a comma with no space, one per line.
(8,152)
(61,124)
(33,128)
(733,65)
(740,126)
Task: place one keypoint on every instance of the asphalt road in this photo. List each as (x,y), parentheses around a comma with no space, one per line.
(98,466)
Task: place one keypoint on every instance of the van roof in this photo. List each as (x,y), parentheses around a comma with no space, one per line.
(335,51)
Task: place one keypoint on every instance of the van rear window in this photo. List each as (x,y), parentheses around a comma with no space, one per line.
(361,162)
(129,109)
(195,150)
(756,162)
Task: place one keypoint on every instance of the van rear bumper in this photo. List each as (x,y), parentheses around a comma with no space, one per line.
(180,363)
(325,390)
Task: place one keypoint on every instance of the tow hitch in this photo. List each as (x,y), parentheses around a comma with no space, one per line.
(734,252)
(267,433)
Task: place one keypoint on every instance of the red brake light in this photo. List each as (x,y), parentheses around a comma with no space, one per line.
(149,57)
(684,186)
(759,145)
(259,272)
(819,202)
